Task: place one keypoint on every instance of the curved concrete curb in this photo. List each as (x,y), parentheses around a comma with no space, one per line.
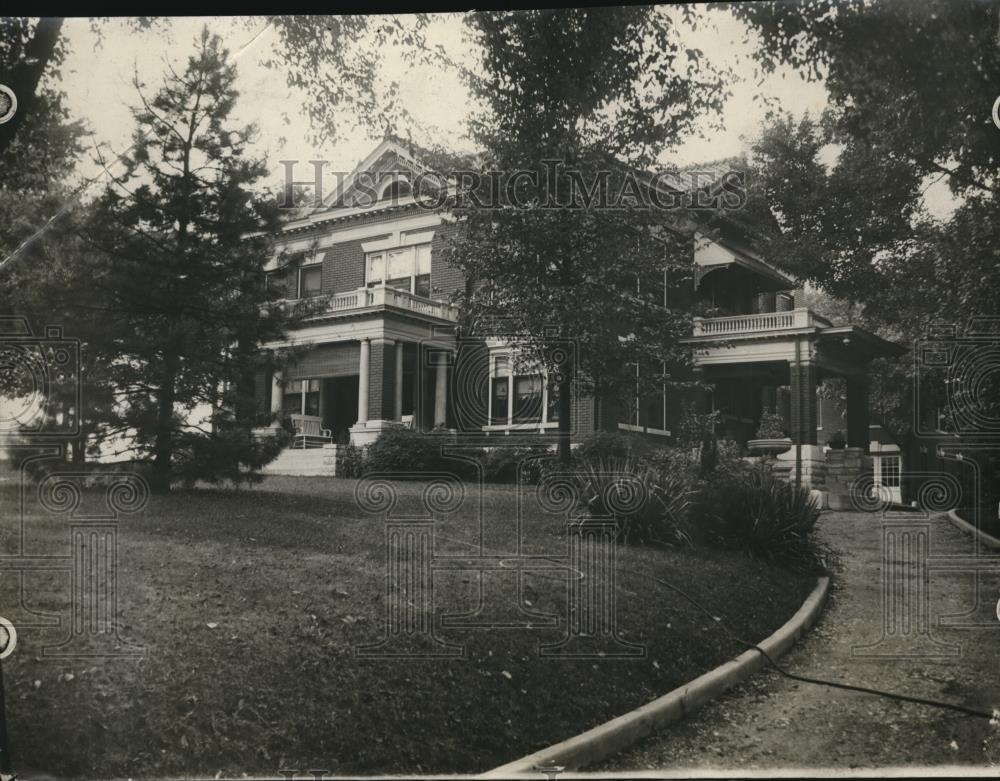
(620,733)
(982,537)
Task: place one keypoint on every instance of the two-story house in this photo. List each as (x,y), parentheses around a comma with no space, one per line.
(383,348)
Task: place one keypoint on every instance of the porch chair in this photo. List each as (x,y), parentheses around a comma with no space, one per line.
(309,431)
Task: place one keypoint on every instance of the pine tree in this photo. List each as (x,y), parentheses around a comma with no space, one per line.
(183,240)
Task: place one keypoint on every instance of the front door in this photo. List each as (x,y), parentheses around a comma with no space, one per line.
(341,410)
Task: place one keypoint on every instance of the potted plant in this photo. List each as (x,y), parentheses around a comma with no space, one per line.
(771,437)
(838,441)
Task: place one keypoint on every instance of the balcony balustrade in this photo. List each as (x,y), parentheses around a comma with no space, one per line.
(381,297)
(763,323)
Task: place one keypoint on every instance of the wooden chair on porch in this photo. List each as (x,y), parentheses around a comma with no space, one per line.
(309,431)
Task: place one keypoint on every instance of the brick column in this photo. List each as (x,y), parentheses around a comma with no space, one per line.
(858,434)
(803,403)
(381,385)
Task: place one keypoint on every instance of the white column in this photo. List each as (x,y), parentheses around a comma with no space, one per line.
(397,410)
(440,390)
(276,393)
(366,351)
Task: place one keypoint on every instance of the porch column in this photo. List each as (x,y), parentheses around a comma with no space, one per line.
(276,393)
(858,434)
(397,408)
(803,402)
(366,351)
(440,389)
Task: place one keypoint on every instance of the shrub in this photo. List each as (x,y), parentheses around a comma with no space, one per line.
(648,507)
(229,454)
(767,517)
(351,461)
(501,464)
(403,450)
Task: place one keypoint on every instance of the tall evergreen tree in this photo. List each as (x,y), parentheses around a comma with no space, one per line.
(183,240)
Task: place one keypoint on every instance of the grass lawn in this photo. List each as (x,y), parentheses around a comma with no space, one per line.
(290,576)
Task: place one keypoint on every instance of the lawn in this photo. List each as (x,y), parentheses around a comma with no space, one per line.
(250,605)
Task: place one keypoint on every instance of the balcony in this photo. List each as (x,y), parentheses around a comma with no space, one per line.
(373,299)
(760,324)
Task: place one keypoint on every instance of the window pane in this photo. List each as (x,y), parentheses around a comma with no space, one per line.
(422,287)
(500,401)
(502,366)
(423,259)
(291,400)
(527,399)
(312,400)
(402,283)
(400,263)
(312,281)
(376,267)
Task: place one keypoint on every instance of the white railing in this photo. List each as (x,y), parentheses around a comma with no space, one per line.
(764,322)
(378,297)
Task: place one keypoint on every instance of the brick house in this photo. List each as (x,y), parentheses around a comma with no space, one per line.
(383,351)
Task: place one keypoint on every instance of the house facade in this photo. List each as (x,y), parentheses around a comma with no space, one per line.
(379,346)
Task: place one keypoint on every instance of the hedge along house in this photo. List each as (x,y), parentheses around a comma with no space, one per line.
(383,344)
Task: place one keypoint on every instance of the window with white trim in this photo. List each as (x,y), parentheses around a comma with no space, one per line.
(889,472)
(405,268)
(520,398)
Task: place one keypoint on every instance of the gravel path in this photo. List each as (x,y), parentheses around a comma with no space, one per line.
(774,722)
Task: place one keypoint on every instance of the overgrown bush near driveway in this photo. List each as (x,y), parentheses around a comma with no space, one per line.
(766,516)
(656,495)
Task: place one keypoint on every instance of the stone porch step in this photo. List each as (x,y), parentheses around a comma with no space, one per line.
(313,462)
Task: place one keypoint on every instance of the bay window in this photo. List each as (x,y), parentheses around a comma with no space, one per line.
(405,268)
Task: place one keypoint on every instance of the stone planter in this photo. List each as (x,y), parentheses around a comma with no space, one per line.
(769,447)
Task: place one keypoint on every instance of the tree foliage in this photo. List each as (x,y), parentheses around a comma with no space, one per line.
(911,88)
(180,241)
(583,285)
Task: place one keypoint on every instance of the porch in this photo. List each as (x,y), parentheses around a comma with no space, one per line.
(777,362)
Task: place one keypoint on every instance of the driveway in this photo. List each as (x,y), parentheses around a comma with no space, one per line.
(774,722)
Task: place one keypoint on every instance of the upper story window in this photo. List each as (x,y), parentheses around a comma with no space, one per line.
(310,280)
(297,282)
(406,268)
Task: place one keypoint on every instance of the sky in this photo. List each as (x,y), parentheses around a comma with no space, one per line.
(97,77)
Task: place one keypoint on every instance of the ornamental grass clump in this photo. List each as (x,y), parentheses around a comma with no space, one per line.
(648,506)
(767,517)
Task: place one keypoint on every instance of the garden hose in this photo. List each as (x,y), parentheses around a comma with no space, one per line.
(821,682)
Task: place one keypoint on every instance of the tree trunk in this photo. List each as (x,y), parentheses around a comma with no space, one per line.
(163,443)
